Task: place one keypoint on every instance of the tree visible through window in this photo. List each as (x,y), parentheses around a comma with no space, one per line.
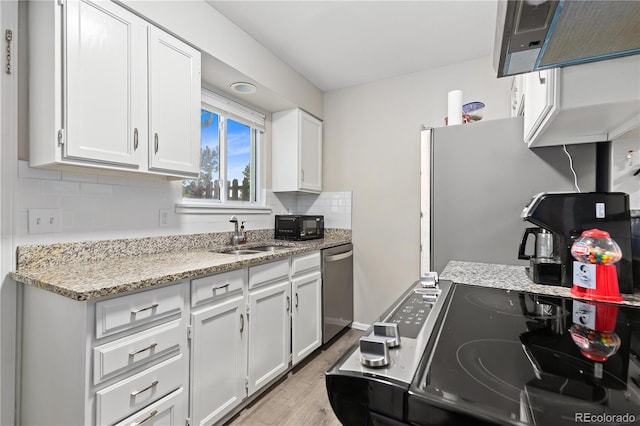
(228,151)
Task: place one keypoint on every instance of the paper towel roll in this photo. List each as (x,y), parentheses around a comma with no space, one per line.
(455,108)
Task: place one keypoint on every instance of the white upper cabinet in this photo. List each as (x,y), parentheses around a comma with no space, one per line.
(174,97)
(296,152)
(103,83)
(592,102)
(103,46)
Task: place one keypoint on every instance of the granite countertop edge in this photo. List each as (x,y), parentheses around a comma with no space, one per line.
(510,277)
(91,280)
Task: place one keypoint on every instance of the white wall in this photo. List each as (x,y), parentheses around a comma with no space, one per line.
(372,147)
(622,178)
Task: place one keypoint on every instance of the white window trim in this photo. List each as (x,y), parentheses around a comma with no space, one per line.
(226,109)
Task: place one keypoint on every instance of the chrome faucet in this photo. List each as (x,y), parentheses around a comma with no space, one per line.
(237,235)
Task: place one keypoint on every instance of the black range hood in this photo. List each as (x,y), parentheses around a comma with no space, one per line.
(540,34)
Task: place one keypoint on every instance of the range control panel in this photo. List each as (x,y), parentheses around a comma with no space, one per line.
(393,347)
(412,315)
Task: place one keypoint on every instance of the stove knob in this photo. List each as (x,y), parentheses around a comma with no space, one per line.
(387,331)
(373,352)
(429,280)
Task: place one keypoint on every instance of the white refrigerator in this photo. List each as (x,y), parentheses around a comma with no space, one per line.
(475,180)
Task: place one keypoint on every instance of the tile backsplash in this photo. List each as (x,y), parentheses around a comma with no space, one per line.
(99,206)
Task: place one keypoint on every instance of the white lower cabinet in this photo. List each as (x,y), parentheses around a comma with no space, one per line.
(105,362)
(218,359)
(191,352)
(168,411)
(306,316)
(269,333)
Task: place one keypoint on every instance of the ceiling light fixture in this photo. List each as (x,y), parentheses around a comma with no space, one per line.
(243,88)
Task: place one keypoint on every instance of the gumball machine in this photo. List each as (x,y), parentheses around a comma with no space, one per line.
(594,270)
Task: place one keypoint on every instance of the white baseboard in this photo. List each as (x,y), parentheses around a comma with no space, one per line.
(360,325)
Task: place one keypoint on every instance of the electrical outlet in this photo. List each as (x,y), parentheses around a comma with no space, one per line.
(44,221)
(163,217)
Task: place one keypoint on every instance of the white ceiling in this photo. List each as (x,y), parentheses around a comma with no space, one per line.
(337,44)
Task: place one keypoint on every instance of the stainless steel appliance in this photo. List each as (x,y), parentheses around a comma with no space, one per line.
(494,356)
(337,290)
(299,227)
(475,179)
(535,35)
(566,215)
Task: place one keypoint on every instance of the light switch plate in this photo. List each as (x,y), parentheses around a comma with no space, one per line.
(44,221)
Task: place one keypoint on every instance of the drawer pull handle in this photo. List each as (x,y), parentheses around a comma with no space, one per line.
(288,304)
(146,419)
(296,300)
(220,287)
(155,143)
(148,348)
(152,385)
(155,305)
(241,323)
(135,139)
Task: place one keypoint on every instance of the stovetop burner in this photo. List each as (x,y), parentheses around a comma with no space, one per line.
(477,358)
(517,363)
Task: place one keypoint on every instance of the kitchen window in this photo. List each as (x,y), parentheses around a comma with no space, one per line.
(230,157)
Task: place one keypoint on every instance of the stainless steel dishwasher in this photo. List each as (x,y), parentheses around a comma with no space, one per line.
(337,290)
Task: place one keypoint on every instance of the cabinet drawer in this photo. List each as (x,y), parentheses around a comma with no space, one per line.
(128,396)
(268,272)
(214,287)
(122,313)
(131,351)
(305,262)
(168,411)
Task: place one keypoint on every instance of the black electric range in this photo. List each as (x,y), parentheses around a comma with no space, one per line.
(502,357)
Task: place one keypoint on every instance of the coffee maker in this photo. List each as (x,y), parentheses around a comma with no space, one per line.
(544,263)
(566,215)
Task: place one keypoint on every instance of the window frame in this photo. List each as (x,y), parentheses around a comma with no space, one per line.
(216,104)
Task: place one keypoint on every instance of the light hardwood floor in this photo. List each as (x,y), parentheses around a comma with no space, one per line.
(301,398)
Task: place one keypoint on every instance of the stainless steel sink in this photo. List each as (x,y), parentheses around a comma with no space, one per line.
(269,248)
(252,250)
(237,251)
(242,251)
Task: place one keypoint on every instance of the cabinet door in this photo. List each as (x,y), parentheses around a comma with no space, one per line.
(218,360)
(310,152)
(306,323)
(106,84)
(174,99)
(269,333)
(541,101)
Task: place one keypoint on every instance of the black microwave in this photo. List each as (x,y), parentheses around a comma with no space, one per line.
(299,227)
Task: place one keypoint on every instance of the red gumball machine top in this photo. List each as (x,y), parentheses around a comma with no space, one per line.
(596,247)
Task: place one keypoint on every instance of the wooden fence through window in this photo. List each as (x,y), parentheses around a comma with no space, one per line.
(236,191)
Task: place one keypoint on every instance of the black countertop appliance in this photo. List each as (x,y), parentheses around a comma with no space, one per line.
(495,356)
(566,215)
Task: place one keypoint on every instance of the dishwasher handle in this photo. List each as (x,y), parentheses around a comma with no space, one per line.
(340,256)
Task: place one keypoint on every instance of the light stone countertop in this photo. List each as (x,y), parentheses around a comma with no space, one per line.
(89,279)
(509,277)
